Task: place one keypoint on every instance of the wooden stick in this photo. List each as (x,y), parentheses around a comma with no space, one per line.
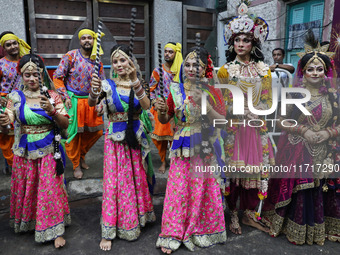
(10,88)
(97,63)
(198,45)
(161,82)
(132,29)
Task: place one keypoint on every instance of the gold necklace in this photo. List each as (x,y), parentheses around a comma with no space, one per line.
(124,83)
(187,85)
(313,91)
(325,115)
(31,94)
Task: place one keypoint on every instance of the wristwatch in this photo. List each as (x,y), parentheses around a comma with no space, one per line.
(277,65)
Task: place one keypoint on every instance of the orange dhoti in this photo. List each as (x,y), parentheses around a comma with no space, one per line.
(89,130)
(162,135)
(6,143)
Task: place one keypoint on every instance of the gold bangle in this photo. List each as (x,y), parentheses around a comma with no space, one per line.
(304,130)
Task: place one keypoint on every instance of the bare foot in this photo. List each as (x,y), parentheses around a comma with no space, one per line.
(234,225)
(83,164)
(237,230)
(162,168)
(78,174)
(166,250)
(59,242)
(333,238)
(105,245)
(252,223)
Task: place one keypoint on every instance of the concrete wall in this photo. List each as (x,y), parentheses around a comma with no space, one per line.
(13,18)
(202,3)
(167,22)
(167,25)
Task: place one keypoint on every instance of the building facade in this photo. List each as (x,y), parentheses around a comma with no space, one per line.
(51,27)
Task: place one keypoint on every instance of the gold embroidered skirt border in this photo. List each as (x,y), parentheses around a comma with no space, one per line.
(202,241)
(45,235)
(110,232)
(295,233)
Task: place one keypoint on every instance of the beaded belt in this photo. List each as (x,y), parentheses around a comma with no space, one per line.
(186,124)
(121,117)
(31,129)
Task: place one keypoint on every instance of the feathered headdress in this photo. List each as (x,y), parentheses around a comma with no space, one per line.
(312,45)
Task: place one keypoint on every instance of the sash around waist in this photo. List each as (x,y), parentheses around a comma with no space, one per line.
(36,129)
(121,117)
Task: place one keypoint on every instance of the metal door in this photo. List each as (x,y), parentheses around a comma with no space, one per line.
(203,21)
(53,23)
(54,26)
(116,16)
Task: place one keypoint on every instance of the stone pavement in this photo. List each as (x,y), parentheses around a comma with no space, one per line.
(83,236)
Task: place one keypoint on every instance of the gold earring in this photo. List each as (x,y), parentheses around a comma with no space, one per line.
(304,81)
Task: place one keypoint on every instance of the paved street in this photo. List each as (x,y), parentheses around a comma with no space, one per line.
(83,236)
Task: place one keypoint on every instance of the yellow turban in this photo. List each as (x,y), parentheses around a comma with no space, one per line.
(176,65)
(95,36)
(24,48)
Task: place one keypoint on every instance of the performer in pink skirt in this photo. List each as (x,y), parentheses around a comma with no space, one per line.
(247,147)
(38,196)
(305,204)
(193,211)
(127,203)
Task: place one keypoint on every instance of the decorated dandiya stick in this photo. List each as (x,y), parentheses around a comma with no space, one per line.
(57,136)
(2,112)
(97,63)
(40,84)
(161,82)
(198,44)
(11,86)
(132,30)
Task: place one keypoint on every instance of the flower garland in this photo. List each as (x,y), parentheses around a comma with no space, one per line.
(262,70)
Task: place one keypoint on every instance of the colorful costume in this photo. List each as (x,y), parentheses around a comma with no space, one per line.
(127,203)
(305,203)
(193,211)
(247,146)
(74,75)
(297,206)
(8,72)
(38,196)
(162,132)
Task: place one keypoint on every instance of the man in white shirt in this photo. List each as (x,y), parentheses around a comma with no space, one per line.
(279,79)
(278,56)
